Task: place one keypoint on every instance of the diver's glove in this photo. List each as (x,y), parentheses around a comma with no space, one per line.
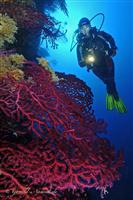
(82,63)
(89,67)
(112,52)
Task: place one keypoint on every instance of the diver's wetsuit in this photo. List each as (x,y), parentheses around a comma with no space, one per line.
(103,45)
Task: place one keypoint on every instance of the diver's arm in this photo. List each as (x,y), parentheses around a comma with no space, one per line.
(108,38)
(80,57)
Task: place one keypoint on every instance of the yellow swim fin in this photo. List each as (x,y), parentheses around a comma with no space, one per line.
(119,104)
(110,104)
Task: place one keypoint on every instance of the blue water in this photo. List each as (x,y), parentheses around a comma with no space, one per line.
(118,22)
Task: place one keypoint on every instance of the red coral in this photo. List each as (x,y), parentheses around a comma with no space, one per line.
(29,18)
(38,167)
(26,17)
(42,105)
(69,153)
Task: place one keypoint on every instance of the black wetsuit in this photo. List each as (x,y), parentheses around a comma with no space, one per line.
(103,45)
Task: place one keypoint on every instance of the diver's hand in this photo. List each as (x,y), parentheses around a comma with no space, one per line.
(89,67)
(113,52)
(82,63)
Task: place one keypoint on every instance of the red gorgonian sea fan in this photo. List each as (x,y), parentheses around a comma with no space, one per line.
(69,153)
(28,18)
(25,16)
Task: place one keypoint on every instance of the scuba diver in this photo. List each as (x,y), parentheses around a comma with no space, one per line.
(95,50)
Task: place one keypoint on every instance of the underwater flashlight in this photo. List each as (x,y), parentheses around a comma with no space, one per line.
(90,59)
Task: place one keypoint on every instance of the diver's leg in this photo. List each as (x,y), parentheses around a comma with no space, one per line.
(116,101)
(110,82)
(111,88)
(105,71)
(106,74)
